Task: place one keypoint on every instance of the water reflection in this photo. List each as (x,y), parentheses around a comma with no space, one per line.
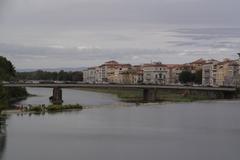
(2,136)
(183,131)
(70,96)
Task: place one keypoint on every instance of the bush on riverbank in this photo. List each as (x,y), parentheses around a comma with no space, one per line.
(52,108)
(55,108)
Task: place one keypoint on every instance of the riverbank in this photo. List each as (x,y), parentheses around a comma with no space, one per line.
(136,95)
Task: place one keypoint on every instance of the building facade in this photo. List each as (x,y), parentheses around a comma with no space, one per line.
(209,73)
(155,73)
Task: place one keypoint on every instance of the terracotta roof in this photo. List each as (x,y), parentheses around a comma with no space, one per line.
(111,62)
(173,65)
(154,65)
(199,61)
(225,62)
(124,65)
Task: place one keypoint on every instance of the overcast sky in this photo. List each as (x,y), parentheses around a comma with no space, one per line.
(77,33)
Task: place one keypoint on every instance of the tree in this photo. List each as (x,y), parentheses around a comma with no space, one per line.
(186,77)
(7,70)
(8,73)
(198,77)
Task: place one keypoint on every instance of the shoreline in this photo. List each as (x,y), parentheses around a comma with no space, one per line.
(136,95)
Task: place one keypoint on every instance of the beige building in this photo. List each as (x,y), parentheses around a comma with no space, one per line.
(108,72)
(227,73)
(173,73)
(197,65)
(117,70)
(131,76)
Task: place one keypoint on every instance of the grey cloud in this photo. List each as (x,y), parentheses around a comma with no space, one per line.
(208,44)
(56,57)
(94,12)
(207,38)
(208,33)
(48,57)
(125,30)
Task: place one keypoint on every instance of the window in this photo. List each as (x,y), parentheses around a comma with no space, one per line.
(160,75)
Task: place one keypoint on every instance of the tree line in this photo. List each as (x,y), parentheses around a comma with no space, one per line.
(54,76)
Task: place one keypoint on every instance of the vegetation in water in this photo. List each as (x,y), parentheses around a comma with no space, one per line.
(54,108)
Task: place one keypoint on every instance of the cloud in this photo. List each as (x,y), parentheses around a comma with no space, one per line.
(52,33)
(208,33)
(83,13)
(75,57)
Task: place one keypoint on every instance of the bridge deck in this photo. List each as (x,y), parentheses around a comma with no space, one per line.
(119,86)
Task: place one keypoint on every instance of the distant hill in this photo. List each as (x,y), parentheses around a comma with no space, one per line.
(52,69)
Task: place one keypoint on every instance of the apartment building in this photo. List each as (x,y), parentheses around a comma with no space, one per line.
(155,73)
(227,73)
(214,73)
(108,72)
(89,75)
(209,73)
(174,71)
(197,65)
(131,76)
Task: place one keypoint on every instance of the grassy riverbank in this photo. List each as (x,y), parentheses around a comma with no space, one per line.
(136,95)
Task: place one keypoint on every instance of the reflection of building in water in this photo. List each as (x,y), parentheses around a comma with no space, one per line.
(2,136)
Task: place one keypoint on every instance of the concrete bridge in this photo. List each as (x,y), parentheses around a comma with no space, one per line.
(149,91)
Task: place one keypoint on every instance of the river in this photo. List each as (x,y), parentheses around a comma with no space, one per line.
(172,131)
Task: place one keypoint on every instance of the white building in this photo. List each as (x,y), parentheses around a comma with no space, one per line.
(155,73)
(89,75)
(209,73)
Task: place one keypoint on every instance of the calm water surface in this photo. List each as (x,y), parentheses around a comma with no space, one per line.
(71,96)
(183,131)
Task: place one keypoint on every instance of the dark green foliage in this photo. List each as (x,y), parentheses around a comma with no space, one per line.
(198,77)
(7,73)
(44,75)
(189,77)
(55,108)
(7,70)
(36,109)
(186,77)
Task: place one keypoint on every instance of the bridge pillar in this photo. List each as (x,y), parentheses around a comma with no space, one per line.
(56,98)
(150,95)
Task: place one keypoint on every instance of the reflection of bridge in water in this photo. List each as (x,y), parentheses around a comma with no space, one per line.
(149,91)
